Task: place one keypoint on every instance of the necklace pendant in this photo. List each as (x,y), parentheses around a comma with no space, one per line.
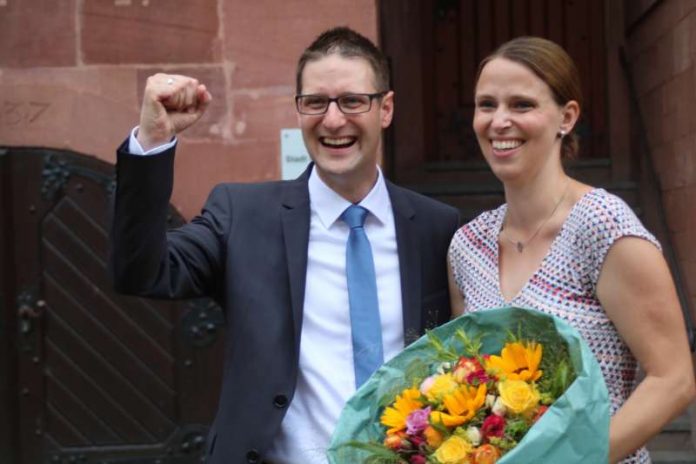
(520,247)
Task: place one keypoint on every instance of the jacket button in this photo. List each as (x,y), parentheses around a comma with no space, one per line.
(253,457)
(280,401)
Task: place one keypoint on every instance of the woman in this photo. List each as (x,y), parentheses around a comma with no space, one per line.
(568,249)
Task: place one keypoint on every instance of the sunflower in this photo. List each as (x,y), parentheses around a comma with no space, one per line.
(442,385)
(395,416)
(517,361)
(462,405)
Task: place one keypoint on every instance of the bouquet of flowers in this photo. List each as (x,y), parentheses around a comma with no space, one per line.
(504,385)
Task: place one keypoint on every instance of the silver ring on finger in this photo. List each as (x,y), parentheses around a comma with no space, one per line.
(170,81)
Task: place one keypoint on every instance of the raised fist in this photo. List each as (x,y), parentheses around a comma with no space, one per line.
(171,103)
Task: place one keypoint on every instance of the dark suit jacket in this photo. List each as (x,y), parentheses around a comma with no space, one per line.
(248,250)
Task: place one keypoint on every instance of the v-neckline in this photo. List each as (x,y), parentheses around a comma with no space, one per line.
(496,248)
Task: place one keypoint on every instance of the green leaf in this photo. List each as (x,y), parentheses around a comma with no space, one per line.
(379,454)
(472,346)
(442,354)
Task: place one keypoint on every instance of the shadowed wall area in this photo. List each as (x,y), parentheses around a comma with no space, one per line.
(72,74)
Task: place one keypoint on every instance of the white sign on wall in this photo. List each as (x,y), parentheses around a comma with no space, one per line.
(293,153)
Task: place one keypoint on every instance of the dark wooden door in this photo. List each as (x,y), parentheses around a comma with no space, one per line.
(435,46)
(98,377)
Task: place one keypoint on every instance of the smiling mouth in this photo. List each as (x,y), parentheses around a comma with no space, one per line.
(503,145)
(337,142)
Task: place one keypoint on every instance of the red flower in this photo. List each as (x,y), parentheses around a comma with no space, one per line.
(493,426)
(471,371)
(417,459)
(477,378)
(540,412)
(416,440)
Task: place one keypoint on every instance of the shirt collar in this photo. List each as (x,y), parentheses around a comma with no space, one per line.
(329,205)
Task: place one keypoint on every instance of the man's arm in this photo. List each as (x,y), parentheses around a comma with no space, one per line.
(145,259)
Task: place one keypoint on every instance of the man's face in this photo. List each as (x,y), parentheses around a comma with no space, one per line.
(344,147)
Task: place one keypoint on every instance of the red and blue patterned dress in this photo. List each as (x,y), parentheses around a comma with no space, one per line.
(565,283)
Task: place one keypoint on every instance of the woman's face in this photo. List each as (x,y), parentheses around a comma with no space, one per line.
(517,120)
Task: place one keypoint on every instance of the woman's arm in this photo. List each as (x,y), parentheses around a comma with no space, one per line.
(636,290)
(456,297)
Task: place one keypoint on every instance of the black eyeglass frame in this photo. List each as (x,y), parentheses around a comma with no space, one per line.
(329,100)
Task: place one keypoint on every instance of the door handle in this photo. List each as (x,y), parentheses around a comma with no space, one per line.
(28,314)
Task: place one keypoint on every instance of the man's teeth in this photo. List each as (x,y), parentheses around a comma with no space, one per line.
(506,144)
(338,141)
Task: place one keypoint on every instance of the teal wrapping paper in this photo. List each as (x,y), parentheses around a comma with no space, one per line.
(575,429)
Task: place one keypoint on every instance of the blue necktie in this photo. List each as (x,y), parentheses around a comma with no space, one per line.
(362,295)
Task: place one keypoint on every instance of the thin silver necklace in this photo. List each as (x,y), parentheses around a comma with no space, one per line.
(520,245)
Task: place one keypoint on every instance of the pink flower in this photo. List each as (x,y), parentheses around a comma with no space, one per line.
(493,426)
(426,384)
(417,421)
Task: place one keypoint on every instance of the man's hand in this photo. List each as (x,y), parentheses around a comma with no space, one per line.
(171,103)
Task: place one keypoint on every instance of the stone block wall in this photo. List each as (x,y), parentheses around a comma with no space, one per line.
(661,49)
(72,74)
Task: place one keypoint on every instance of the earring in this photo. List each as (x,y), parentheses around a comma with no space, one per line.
(561,133)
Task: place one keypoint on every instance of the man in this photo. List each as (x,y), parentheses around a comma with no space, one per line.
(281,259)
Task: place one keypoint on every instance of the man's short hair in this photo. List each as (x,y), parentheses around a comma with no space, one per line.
(349,44)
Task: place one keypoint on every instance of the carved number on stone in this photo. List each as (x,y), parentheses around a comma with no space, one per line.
(126,2)
(15,113)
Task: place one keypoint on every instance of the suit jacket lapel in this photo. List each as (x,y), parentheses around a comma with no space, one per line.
(409,262)
(295,217)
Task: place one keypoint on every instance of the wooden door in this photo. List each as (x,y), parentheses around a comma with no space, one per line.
(99,377)
(435,46)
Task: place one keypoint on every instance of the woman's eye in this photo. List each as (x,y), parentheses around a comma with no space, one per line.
(485,104)
(523,105)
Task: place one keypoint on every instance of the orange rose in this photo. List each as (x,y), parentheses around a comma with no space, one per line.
(433,437)
(394,441)
(486,454)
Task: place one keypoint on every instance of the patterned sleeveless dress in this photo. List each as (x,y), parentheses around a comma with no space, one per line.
(564,285)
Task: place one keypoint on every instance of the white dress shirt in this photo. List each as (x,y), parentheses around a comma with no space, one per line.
(326,377)
(134,147)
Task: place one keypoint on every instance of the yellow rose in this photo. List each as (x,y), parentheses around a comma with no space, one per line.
(518,396)
(455,450)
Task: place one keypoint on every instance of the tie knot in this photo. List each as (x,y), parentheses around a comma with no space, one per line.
(354,216)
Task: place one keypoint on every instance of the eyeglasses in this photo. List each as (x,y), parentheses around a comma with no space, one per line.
(354,103)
